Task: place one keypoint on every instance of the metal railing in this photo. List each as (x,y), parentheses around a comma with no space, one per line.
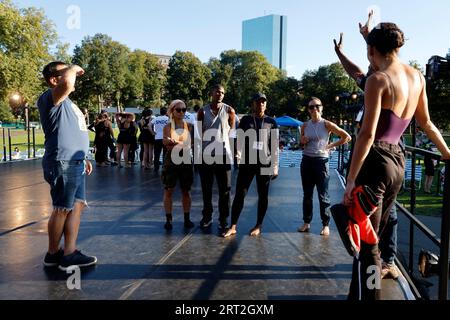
(9,144)
(443,242)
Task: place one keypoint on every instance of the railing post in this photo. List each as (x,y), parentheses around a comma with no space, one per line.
(9,143)
(412,203)
(445,235)
(339,160)
(4,145)
(28,139)
(34,143)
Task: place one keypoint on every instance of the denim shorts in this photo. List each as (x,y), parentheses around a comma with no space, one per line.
(67,181)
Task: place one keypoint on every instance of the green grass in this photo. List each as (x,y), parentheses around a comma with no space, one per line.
(19,138)
(426,204)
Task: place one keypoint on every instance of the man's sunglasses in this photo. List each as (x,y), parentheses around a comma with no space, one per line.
(58,73)
(314,106)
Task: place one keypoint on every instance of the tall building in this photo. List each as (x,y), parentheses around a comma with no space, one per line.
(164,60)
(268,36)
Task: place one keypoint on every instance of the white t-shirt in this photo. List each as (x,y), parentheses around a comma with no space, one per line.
(189,118)
(158,124)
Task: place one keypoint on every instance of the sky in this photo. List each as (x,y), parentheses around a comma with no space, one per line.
(207,28)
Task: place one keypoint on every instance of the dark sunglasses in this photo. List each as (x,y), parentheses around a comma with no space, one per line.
(181,110)
(314,106)
(58,73)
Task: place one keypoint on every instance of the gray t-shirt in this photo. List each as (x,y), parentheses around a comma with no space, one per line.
(318,136)
(66,133)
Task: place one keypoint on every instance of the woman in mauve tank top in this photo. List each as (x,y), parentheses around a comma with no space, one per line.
(393,96)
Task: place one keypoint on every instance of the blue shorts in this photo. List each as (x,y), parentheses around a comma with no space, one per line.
(67,181)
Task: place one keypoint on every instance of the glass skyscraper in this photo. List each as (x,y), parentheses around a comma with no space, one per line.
(267,35)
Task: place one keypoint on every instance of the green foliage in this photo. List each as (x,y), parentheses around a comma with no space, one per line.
(26,36)
(62,53)
(326,83)
(285,97)
(243,73)
(187,77)
(438,92)
(5,112)
(106,71)
(155,81)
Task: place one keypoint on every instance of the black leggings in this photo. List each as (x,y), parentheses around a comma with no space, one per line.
(244,180)
(383,171)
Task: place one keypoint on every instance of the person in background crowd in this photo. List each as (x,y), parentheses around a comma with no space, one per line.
(158,125)
(146,139)
(127,135)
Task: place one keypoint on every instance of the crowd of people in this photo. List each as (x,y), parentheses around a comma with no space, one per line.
(394,93)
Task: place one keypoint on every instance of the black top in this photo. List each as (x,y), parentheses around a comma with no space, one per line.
(259,143)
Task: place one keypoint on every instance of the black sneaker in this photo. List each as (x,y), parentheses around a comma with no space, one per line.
(205,223)
(168,226)
(223,226)
(76,259)
(52,260)
(188,224)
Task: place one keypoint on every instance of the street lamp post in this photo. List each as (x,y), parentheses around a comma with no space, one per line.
(27,128)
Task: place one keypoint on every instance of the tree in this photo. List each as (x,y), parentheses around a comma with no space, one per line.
(438,92)
(26,37)
(220,74)
(155,81)
(326,83)
(416,65)
(134,87)
(62,53)
(106,71)
(285,97)
(187,77)
(245,73)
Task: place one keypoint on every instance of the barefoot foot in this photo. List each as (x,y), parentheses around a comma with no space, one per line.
(229,232)
(255,232)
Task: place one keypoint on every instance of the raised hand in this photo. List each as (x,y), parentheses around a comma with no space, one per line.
(340,45)
(364,29)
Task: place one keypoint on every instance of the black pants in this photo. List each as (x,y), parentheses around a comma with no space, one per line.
(383,171)
(222,173)
(244,180)
(315,173)
(101,153)
(158,148)
(112,150)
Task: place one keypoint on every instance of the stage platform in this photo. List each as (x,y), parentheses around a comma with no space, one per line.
(139,260)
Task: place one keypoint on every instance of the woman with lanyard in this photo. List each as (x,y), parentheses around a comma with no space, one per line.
(315,135)
(178,139)
(259,160)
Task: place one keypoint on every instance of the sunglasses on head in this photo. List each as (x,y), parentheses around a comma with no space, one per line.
(314,106)
(181,110)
